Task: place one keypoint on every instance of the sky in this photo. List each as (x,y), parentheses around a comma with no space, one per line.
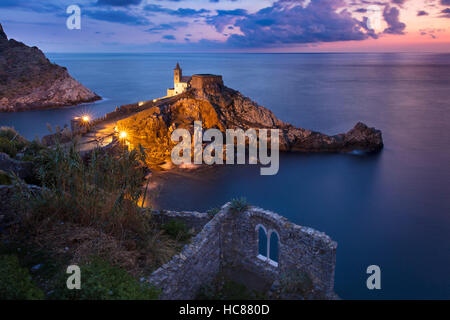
(231,25)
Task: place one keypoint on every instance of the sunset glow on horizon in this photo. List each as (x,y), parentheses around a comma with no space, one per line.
(232,25)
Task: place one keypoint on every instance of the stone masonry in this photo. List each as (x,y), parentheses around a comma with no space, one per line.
(230,240)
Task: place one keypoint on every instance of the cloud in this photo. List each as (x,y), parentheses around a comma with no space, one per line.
(36,6)
(167,26)
(445,13)
(180,12)
(422,13)
(398,2)
(445,2)
(118,3)
(169,37)
(116,16)
(431,32)
(289,22)
(224,18)
(391,16)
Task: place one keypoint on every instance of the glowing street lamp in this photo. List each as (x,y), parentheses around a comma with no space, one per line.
(122,135)
(85,118)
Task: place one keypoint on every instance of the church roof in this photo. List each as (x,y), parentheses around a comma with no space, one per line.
(186,79)
(177,67)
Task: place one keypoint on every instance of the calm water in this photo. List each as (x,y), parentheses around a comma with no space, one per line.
(390,209)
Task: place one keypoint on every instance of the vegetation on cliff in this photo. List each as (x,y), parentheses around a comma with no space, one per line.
(86,211)
(16,282)
(13,144)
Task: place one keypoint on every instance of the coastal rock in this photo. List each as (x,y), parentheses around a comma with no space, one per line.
(2,34)
(28,80)
(360,138)
(220,107)
(237,111)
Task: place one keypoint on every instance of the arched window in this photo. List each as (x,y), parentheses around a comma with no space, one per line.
(262,242)
(274,246)
(268,245)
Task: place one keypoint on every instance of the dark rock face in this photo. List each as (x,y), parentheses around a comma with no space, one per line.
(361,138)
(28,80)
(237,111)
(223,108)
(2,34)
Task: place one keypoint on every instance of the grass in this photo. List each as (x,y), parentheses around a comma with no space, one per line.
(87,213)
(177,230)
(39,263)
(296,282)
(239,205)
(102,281)
(5,179)
(213,211)
(223,288)
(12,143)
(101,192)
(16,282)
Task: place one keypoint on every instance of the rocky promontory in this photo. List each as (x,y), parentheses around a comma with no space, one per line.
(220,107)
(28,80)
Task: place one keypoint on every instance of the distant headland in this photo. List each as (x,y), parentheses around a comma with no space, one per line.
(204,97)
(28,80)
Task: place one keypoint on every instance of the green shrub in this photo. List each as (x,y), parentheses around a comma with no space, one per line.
(296,282)
(213,211)
(15,282)
(102,192)
(5,179)
(10,134)
(177,230)
(11,142)
(102,281)
(239,205)
(7,147)
(32,150)
(223,288)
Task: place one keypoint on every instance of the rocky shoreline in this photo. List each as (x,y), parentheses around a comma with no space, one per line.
(220,107)
(29,81)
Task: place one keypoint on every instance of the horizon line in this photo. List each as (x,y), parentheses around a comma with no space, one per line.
(228,52)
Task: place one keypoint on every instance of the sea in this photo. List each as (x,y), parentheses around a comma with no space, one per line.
(390,209)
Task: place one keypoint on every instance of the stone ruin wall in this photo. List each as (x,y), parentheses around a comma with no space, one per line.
(231,240)
(198,263)
(199,81)
(192,219)
(300,248)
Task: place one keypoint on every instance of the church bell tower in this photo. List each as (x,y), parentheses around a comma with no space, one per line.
(177,74)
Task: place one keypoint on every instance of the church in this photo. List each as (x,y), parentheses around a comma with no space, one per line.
(180,83)
(198,81)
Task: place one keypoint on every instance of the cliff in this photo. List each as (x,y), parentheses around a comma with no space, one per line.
(218,106)
(28,80)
